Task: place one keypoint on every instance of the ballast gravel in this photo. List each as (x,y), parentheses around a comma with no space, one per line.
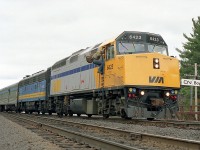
(166,131)
(16,137)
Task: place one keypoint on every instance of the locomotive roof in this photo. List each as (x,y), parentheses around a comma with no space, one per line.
(64,59)
(138,32)
(33,75)
(137,36)
(10,86)
(91,48)
(118,37)
(81,51)
(127,33)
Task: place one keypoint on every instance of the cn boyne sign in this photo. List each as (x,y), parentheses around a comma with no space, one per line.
(190,82)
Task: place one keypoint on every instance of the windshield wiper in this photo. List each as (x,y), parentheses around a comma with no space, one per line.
(153,48)
(124,46)
(134,47)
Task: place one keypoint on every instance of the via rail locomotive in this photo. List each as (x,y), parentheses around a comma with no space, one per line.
(131,76)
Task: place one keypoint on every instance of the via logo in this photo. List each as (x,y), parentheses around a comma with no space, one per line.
(156,79)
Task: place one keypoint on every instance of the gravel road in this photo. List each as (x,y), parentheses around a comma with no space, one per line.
(15,137)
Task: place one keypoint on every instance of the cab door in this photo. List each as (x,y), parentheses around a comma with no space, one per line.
(109,75)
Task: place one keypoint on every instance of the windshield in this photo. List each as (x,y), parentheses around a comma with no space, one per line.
(128,48)
(157,48)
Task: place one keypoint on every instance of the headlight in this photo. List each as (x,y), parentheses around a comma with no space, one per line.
(156,63)
(167,94)
(156,66)
(156,60)
(142,92)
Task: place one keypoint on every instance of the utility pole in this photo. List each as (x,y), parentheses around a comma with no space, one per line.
(196,100)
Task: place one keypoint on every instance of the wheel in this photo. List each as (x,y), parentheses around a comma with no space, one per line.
(78,115)
(50,113)
(70,114)
(89,115)
(124,115)
(43,112)
(105,116)
(18,110)
(150,119)
(60,114)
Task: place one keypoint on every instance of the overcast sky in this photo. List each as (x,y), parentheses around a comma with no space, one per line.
(34,34)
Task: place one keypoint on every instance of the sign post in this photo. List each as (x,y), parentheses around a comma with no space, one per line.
(195,83)
(196,100)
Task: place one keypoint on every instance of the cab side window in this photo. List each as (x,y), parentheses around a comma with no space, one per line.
(110,52)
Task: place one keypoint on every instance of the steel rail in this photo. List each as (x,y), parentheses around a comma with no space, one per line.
(190,144)
(184,143)
(79,137)
(158,122)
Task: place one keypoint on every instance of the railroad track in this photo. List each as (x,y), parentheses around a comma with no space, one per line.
(180,124)
(168,123)
(57,131)
(106,137)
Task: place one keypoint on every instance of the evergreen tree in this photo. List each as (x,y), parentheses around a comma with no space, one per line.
(191,52)
(190,55)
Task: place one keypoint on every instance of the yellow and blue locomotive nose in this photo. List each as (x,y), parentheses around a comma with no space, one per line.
(151,69)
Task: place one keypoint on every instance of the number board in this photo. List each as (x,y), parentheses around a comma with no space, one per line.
(155,39)
(141,37)
(137,37)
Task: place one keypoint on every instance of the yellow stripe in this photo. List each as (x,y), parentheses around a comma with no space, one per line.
(56,86)
(33,95)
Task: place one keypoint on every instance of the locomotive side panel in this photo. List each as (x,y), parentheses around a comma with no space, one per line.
(114,72)
(13,94)
(77,76)
(4,96)
(33,92)
(8,97)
